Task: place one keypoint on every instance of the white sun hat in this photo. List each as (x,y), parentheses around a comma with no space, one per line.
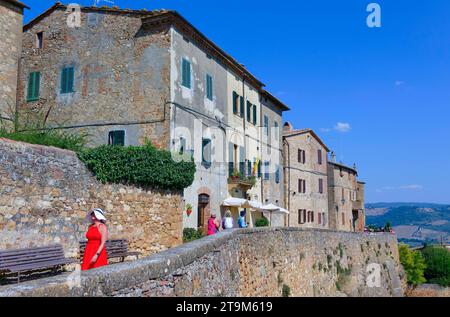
(98,213)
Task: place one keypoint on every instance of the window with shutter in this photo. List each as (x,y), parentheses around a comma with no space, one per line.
(276,131)
(255,113)
(241,110)
(186,73)
(67,80)
(34,82)
(249,168)
(209,87)
(319,156)
(231,165)
(242,160)
(321,186)
(235,102)
(319,218)
(249,111)
(206,152)
(116,138)
(266,170)
(266,125)
(277,175)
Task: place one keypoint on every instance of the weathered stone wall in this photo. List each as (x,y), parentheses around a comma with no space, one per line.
(121,79)
(242,262)
(428,290)
(11,17)
(45,193)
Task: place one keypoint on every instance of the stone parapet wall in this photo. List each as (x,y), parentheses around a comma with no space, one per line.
(242,262)
(45,193)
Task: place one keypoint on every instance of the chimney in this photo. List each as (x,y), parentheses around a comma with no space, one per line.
(333,157)
(287,127)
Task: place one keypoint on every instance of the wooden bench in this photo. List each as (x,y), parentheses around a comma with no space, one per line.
(32,260)
(114,248)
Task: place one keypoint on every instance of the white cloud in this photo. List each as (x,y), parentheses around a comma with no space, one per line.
(403,187)
(399,83)
(342,127)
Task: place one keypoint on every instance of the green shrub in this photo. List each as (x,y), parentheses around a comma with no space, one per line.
(190,234)
(56,138)
(138,165)
(437,260)
(262,222)
(413,263)
(286,291)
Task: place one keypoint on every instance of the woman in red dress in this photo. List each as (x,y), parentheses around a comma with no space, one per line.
(97,235)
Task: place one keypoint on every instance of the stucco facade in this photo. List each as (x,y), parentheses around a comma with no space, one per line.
(11,21)
(306,184)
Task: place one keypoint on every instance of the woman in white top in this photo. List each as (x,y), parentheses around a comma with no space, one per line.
(228,222)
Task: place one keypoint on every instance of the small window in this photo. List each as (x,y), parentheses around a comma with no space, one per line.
(343,219)
(301,216)
(319,157)
(302,186)
(249,111)
(312,216)
(209,87)
(266,170)
(301,156)
(67,78)
(266,125)
(235,102)
(277,175)
(34,83)
(275,126)
(319,218)
(186,73)
(40,40)
(241,112)
(255,114)
(320,186)
(116,138)
(206,152)
(182,145)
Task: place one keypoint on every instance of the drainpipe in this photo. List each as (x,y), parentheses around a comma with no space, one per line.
(288,193)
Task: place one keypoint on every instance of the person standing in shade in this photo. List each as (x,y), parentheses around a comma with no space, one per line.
(213,225)
(241,220)
(228,221)
(95,254)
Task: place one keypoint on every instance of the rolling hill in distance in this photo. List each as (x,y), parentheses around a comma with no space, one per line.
(414,223)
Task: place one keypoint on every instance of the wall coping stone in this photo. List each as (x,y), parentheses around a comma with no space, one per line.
(106,280)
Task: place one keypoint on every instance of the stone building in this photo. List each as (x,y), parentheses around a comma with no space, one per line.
(125,76)
(346,198)
(11,22)
(305,178)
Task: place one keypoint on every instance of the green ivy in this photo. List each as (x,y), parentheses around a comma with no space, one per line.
(138,165)
(262,222)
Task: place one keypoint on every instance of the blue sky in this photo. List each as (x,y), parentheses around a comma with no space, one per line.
(378,97)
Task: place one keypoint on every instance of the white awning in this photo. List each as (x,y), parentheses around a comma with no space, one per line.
(273,208)
(256,205)
(234,202)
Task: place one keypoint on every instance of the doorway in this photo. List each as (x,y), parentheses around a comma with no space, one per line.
(202,211)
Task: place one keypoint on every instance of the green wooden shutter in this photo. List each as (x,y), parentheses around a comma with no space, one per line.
(242,107)
(230,159)
(254,115)
(249,110)
(235,97)
(209,87)
(242,160)
(71,74)
(34,82)
(186,73)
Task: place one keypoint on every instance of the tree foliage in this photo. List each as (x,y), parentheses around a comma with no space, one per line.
(414,265)
(262,222)
(437,260)
(139,165)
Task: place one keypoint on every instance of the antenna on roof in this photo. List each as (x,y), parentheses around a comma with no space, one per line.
(97,2)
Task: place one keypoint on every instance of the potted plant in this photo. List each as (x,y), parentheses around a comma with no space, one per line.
(188,210)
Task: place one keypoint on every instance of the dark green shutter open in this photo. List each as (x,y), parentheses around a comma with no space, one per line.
(67,79)
(235,97)
(242,107)
(254,115)
(34,82)
(209,87)
(249,110)
(186,73)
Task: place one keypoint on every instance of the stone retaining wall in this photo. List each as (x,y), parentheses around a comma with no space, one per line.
(45,193)
(243,262)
